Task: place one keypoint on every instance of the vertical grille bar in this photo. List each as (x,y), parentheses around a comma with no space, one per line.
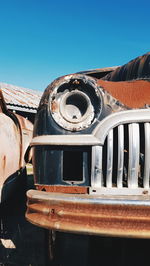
(97,175)
(147,156)
(109,159)
(134,149)
(120,156)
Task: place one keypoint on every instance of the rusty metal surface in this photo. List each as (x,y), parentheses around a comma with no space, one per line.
(43,119)
(130,83)
(138,68)
(126,216)
(63,189)
(21,97)
(133,94)
(108,99)
(26,136)
(15,136)
(116,216)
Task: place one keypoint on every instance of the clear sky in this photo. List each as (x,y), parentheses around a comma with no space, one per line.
(43,39)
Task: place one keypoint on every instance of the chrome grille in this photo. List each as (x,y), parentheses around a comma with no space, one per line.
(122,164)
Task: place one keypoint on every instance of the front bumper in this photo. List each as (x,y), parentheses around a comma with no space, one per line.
(123,216)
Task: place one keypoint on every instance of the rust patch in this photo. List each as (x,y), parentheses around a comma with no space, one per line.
(54,106)
(76,82)
(4,161)
(78,214)
(134,94)
(63,189)
(13,141)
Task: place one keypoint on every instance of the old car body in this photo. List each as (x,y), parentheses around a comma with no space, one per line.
(91,149)
(15,136)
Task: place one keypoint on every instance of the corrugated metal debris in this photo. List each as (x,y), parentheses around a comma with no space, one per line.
(21,99)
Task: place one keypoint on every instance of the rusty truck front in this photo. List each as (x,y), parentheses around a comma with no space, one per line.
(91,154)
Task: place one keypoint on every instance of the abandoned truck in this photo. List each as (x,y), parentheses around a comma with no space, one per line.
(91,153)
(15,136)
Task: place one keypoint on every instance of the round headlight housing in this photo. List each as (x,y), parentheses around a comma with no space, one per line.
(75,107)
(75,103)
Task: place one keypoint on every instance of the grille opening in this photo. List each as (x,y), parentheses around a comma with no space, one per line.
(126,159)
(73,166)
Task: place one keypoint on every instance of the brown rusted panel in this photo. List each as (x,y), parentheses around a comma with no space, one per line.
(133,94)
(63,189)
(130,83)
(26,128)
(90,215)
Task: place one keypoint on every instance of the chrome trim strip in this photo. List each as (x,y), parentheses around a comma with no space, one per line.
(134,151)
(120,156)
(68,140)
(97,174)
(120,118)
(99,133)
(109,159)
(147,156)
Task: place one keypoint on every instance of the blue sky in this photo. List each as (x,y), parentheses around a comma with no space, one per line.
(43,39)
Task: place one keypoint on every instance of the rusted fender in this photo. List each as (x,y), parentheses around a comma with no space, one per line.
(130,83)
(101,215)
(10,145)
(26,134)
(15,137)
